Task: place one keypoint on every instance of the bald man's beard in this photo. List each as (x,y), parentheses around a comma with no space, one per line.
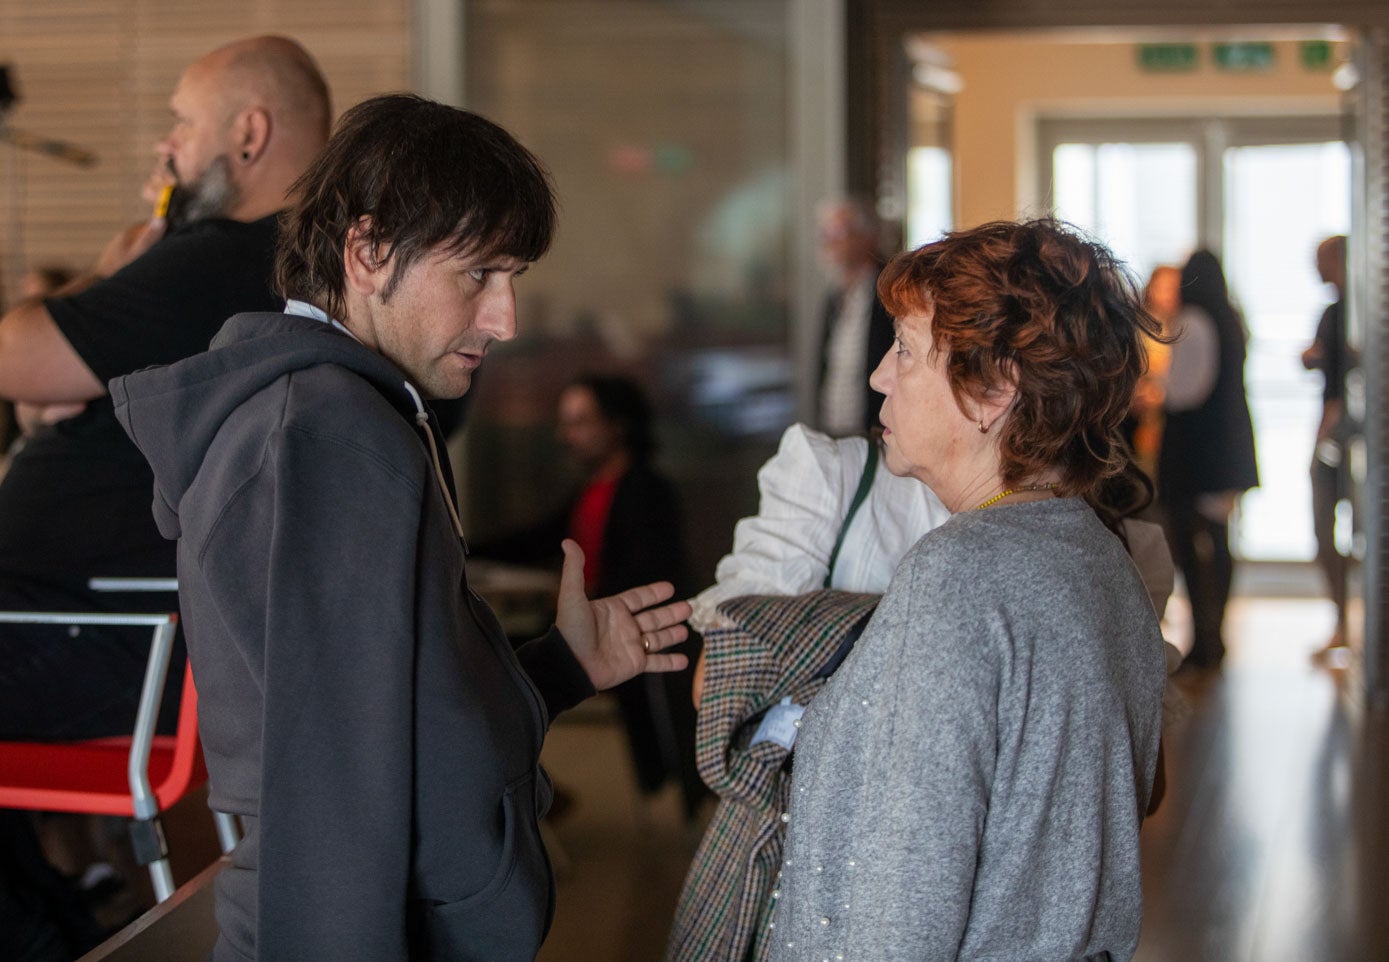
(210,194)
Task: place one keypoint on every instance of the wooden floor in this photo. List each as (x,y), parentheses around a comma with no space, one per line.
(1271,846)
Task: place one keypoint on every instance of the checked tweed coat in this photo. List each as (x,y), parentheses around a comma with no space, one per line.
(779,647)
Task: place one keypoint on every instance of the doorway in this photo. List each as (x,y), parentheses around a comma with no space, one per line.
(1261,194)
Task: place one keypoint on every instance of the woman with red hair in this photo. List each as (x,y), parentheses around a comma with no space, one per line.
(971,781)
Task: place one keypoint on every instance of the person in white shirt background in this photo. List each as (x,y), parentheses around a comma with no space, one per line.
(857,329)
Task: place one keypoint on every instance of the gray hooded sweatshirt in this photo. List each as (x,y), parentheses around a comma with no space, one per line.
(359,705)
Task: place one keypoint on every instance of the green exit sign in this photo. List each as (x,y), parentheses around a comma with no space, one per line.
(1315,54)
(1167,57)
(1244,56)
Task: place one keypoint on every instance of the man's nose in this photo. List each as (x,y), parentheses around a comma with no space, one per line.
(498,316)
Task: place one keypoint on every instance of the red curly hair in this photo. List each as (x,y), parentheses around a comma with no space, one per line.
(1037,304)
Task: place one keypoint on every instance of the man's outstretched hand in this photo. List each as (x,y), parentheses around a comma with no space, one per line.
(619,637)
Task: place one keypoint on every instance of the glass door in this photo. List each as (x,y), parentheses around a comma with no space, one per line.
(1281,201)
(1109,190)
(1261,193)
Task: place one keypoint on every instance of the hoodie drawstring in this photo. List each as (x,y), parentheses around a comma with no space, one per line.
(422,419)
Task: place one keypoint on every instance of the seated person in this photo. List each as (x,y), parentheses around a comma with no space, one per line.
(626,517)
(75,502)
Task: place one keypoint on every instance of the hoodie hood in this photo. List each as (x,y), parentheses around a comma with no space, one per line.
(173,413)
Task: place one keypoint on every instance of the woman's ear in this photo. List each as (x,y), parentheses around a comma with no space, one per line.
(363,271)
(995,402)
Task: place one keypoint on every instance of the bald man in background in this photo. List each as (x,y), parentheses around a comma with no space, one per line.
(248,119)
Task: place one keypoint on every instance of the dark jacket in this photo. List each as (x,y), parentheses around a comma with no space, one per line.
(359,706)
(642,542)
(880,337)
(1210,448)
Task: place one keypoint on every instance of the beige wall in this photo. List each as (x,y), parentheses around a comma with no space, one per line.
(1010,80)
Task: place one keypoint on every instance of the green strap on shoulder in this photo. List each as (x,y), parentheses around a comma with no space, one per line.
(865,484)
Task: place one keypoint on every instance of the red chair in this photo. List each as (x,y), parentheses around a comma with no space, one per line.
(137,776)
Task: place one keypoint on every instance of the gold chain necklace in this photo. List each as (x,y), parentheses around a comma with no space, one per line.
(1048,486)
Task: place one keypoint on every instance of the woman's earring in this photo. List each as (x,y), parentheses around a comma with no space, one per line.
(982,429)
(245,155)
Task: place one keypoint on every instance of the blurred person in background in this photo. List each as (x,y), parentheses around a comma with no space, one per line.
(1328,354)
(857,329)
(248,119)
(45,279)
(1143,427)
(22,419)
(626,517)
(1207,458)
(75,503)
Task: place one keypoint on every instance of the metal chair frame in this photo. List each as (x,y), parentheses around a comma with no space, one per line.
(147,834)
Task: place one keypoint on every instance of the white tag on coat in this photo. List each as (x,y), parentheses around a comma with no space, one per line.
(779,724)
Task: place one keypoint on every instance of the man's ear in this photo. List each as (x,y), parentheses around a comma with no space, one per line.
(363,271)
(251,134)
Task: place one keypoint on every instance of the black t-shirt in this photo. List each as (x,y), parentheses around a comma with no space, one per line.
(76,500)
(1331,333)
